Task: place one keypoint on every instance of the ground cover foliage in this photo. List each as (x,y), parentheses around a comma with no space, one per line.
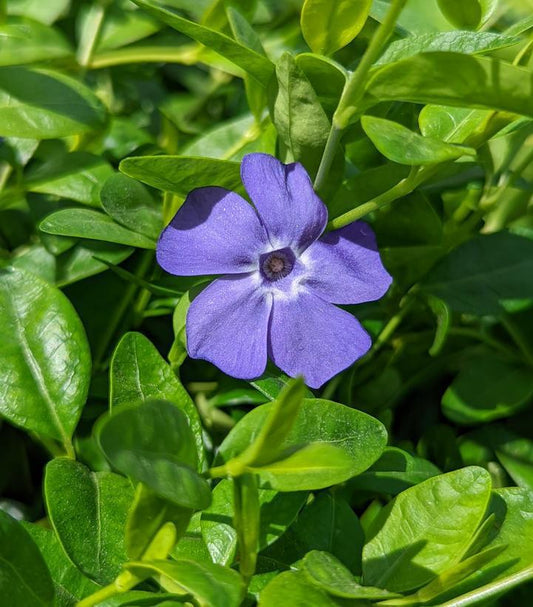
(133,475)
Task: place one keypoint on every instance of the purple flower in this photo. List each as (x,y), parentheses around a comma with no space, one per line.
(281,277)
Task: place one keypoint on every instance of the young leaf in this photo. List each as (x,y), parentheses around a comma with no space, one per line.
(462,13)
(328,26)
(153,443)
(454,79)
(425,529)
(46,364)
(88,512)
(181,174)
(139,373)
(42,104)
(258,66)
(24,576)
(86,223)
(399,144)
(487,388)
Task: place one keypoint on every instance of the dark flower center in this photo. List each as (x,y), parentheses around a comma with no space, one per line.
(277,264)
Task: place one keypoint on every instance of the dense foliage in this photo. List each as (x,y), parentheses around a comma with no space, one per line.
(131,474)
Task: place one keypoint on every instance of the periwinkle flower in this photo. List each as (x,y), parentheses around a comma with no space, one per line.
(281,275)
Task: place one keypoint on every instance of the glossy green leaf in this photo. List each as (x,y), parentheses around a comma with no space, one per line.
(69,583)
(88,512)
(139,373)
(24,576)
(462,13)
(131,204)
(300,120)
(296,588)
(147,515)
(469,43)
(27,41)
(181,174)
(122,27)
(153,443)
(480,273)
(425,529)
(42,104)
(329,574)
(454,79)
(253,63)
(399,144)
(46,363)
(45,12)
(328,26)
(487,388)
(209,584)
(77,176)
(86,223)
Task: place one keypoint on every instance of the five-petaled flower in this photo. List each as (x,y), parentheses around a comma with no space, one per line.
(282,275)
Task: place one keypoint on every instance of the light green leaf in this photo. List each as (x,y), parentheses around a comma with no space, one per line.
(399,144)
(24,577)
(139,373)
(88,512)
(328,26)
(255,64)
(152,443)
(46,364)
(42,104)
(86,223)
(27,41)
(425,530)
(181,174)
(297,589)
(45,12)
(469,43)
(462,13)
(454,79)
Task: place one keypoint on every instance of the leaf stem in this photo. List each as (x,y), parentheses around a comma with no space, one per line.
(354,90)
(246,522)
(99,596)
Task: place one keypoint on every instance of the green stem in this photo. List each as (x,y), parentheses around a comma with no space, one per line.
(99,596)
(90,34)
(390,328)
(354,90)
(491,590)
(161,54)
(246,522)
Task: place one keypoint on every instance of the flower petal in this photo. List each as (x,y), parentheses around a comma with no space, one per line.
(313,338)
(345,267)
(283,194)
(227,325)
(214,232)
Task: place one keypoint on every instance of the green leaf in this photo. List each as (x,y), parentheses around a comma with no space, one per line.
(86,223)
(296,589)
(469,43)
(88,512)
(300,120)
(24,577)
(45,12)
(454,79)
(209,584)
(77,176)
(328,26)
(327,78)
(480,273)
(69,583)
(181,174)
(335,434)
(399,144)
(327,572)
(253,63)
(152,443)
(122,27)
(46,364)
(42,104)
(462,13)
(147,516)
(425,529)
(487,388)
(131,204)
(26,41)
(139,373)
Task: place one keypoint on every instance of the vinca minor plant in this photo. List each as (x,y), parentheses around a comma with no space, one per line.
(266,303)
